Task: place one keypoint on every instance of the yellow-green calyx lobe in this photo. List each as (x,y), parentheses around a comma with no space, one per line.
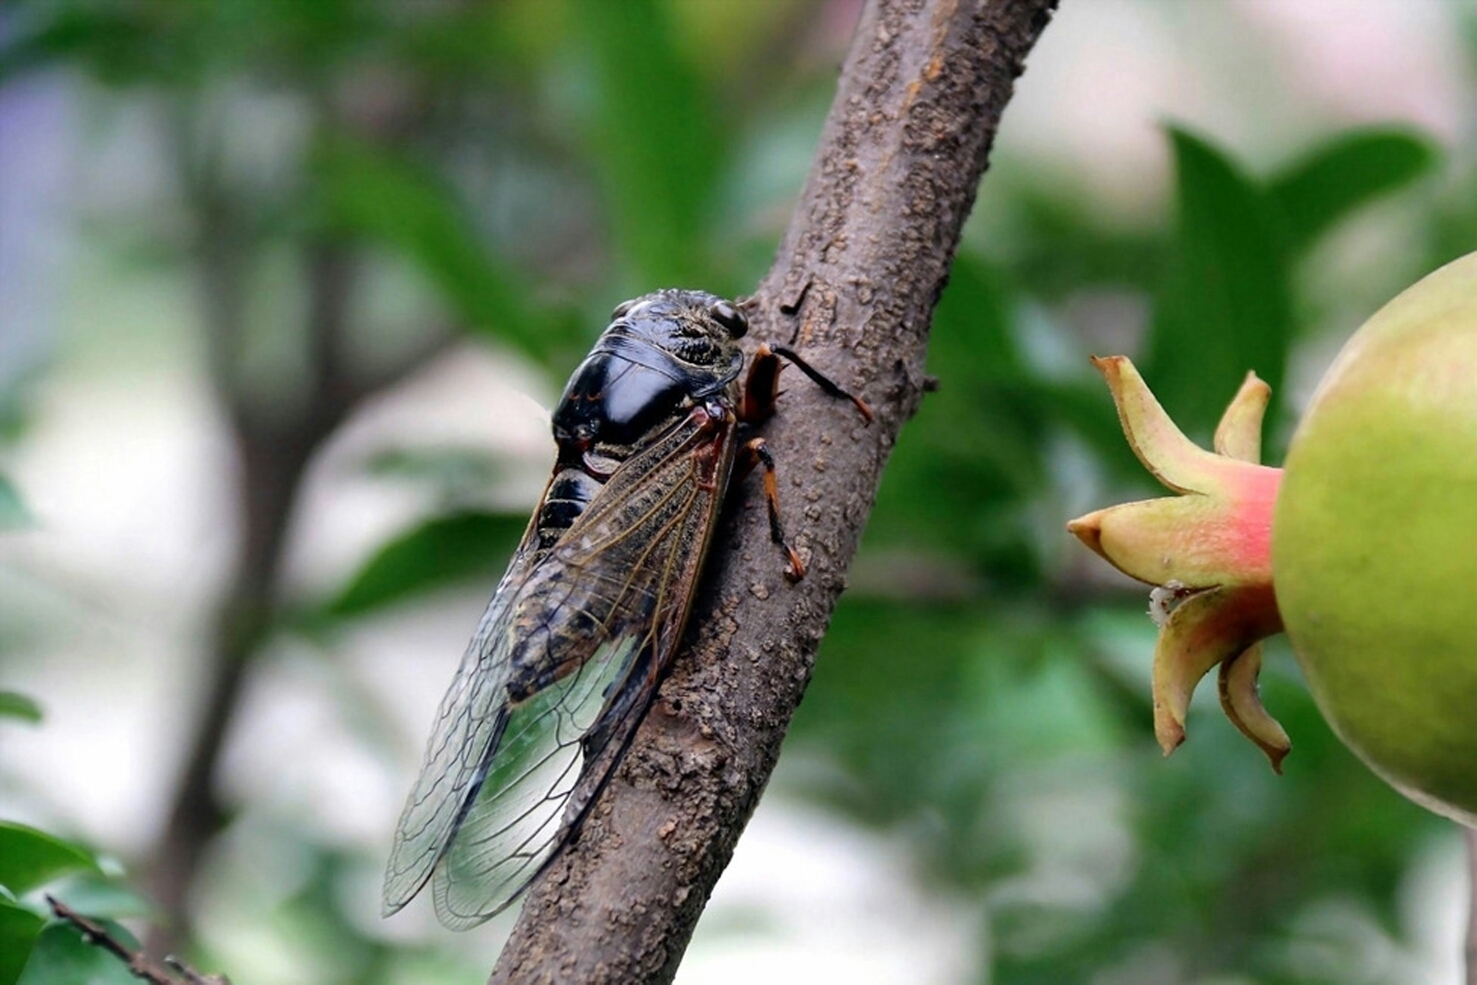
(1208,551)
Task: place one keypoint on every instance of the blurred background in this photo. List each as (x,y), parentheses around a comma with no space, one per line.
(286,290)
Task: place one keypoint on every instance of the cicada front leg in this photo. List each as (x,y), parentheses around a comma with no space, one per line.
(757,403)
(756,452)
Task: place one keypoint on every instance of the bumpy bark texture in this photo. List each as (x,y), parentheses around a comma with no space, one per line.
(854,287)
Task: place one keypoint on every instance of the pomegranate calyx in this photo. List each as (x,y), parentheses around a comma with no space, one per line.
(1208,550)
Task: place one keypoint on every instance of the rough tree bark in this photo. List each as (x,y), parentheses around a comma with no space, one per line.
(854,287)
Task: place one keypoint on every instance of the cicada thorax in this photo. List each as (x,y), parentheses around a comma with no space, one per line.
(660,356)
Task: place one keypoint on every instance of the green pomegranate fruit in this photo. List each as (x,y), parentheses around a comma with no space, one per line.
(1363,547)
(1374,542)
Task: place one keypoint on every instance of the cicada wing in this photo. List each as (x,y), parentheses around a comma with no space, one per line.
(518,818)
(469,726)
(624,574)
(580,634)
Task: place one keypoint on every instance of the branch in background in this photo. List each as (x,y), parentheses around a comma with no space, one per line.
(861,268)
(274,444)
(138,963)
(273,448)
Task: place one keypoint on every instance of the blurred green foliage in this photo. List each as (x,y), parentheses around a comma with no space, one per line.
(12,510)
(1011,696)
(61,955)
(1226,302)
(445,550)
(983,692)
(1223,858)
(30,858)
(35,950)
(13,705)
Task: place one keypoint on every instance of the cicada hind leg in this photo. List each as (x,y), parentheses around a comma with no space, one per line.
(760,394)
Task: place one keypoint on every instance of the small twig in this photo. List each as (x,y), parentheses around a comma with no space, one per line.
(191,976)
(138,963)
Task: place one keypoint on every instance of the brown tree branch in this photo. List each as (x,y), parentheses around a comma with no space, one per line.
(276,436)
(273,447)
(861,268)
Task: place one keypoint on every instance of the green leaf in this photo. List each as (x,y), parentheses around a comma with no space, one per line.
(1061,244)
(373,194)
(12,510)
(438,553)
(1225,307)
(975,317)
(1349,171)
(178,45)
(31,858)
(19,928)
(481,43)
(13,705)
(114,45)
(657,150)
(62,957)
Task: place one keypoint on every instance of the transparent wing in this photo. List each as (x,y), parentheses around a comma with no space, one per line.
(562,668)
(469,724)
(513,826)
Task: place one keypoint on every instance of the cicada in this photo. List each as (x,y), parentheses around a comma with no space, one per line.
(566,659)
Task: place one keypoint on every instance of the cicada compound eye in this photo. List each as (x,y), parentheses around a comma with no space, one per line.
(725,314)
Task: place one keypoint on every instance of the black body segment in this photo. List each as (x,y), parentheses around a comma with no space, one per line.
(665,349)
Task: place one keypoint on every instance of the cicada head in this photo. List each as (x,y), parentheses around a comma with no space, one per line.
(696,328)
